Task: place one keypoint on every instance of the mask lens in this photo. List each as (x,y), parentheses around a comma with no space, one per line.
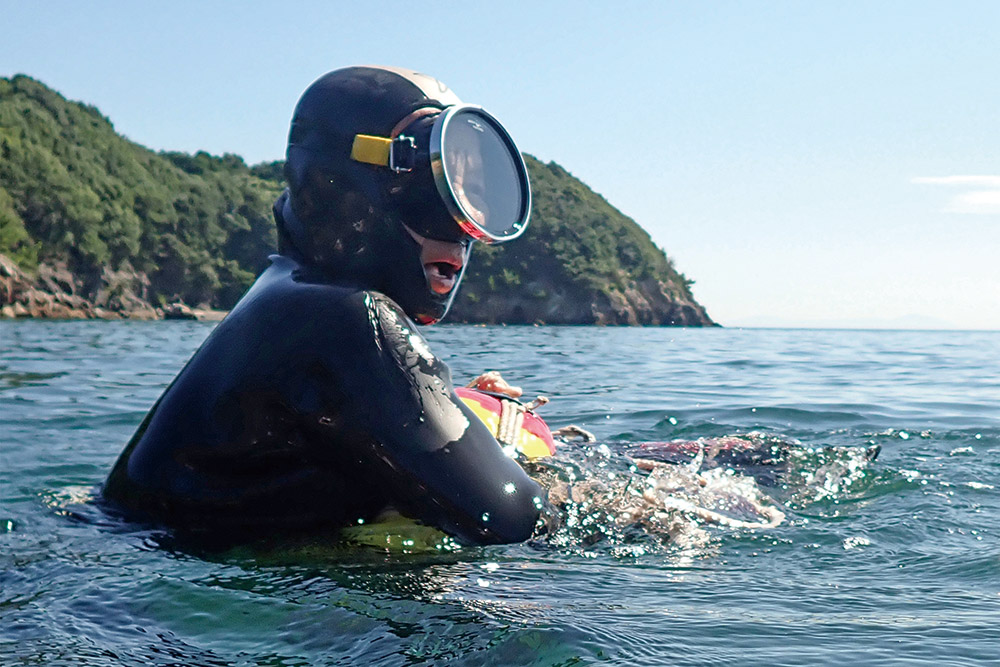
(485,174)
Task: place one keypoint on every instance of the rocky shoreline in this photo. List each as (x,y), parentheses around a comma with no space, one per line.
(55,293)
(646,303)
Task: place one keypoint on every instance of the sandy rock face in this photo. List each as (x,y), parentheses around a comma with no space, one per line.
(642,303)
(55,293)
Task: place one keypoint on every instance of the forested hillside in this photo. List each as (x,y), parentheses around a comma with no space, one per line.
(113,224)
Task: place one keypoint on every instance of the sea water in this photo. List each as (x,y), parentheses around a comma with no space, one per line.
(892,561)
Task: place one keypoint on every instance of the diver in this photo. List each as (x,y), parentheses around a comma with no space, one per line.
(317,403)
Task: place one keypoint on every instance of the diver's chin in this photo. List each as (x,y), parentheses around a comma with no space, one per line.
(434,308)
(429,316)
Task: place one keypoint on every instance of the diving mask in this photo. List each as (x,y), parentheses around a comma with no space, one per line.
(477,170)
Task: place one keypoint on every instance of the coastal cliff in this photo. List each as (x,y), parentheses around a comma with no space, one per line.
(94,225)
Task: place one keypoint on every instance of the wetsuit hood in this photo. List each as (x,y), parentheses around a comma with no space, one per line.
(346,217)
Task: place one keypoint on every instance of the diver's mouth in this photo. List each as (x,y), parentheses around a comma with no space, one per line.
(442,261)
(441,275)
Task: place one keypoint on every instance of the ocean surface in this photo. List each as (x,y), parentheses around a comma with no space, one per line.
(894,560)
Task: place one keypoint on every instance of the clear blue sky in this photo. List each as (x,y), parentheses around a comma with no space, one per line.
(806,163)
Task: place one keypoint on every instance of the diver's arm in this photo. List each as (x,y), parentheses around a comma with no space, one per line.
(445,467)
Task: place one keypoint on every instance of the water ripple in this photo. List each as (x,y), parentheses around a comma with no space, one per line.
(885,561)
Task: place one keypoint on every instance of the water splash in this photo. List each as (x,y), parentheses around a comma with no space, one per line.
(629,507)
(827,474)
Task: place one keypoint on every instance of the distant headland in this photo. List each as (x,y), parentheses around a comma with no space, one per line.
(93,225)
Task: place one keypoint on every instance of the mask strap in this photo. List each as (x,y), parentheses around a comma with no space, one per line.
(376,150)
(411,118)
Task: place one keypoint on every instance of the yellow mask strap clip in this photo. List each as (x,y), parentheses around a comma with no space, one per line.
(398,153)
(371,150)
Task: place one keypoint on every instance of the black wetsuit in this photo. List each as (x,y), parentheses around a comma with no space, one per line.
(316,405)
